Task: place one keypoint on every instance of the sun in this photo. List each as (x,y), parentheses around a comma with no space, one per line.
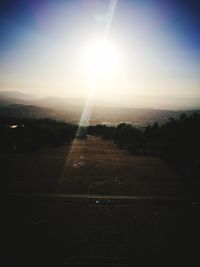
(101,59)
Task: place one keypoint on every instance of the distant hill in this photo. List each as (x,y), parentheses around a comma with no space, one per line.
(100,115)
(157,102)
(137,116)
(18,104)
(16,95)
(27,111)
(58,103)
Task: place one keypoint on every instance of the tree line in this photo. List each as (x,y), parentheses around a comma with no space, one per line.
(177,141)
(26,135)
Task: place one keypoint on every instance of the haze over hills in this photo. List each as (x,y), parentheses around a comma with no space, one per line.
(14,103)
(125,101)
(16,95)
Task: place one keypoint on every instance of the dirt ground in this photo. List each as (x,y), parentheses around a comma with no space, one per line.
(91,204)
(91,166)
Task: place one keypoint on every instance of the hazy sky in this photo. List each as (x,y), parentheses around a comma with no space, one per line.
(43,43)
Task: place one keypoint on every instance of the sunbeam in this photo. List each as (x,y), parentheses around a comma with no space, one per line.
(101,61)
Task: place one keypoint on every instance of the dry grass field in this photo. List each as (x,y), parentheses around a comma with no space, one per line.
(91,166)
(93,204)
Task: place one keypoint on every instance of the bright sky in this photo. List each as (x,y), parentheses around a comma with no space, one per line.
(58,48)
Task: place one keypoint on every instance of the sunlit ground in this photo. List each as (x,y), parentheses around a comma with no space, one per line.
(96,166)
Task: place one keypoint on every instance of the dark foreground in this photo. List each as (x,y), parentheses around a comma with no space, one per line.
(101,231)
(98,206)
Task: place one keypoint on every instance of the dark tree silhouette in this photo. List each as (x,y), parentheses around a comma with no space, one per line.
(17,134)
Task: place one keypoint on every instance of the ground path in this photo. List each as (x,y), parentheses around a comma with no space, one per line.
(95,205)
(93,166)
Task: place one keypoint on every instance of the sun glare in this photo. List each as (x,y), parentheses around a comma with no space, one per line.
(101,59)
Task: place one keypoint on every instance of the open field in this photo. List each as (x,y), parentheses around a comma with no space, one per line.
(91,204)
(92,166)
